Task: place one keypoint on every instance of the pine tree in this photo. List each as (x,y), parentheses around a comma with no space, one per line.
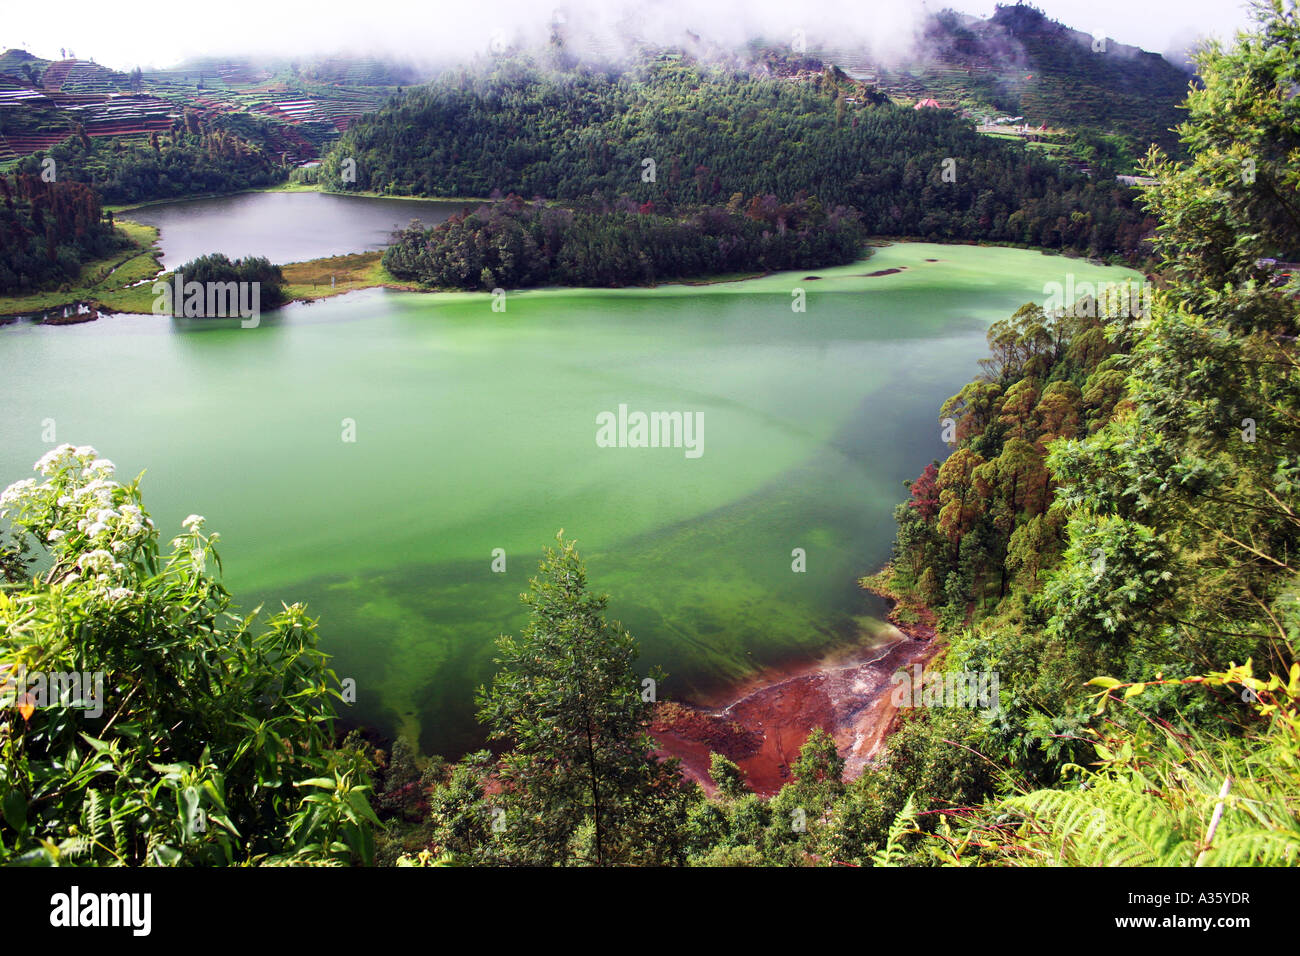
(581,784)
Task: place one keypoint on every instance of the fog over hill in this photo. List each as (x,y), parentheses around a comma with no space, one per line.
(440,33)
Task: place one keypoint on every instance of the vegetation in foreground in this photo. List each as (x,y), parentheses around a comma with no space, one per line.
(193,734)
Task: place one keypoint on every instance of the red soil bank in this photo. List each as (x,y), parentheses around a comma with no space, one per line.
(763,729)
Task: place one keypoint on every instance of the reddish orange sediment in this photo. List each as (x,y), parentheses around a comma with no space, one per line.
(766,723)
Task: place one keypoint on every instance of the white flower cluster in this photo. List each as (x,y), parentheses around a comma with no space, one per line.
(15,495)
(99,563)
(65,456)
(79,493)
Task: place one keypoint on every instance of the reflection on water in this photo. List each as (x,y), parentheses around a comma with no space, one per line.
(283,227)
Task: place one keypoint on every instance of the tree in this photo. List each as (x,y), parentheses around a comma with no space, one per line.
(580,781)
(925,492)
(728,777)
(819,761)
(960,504)
(461,814)
(1057,413)
(802,809)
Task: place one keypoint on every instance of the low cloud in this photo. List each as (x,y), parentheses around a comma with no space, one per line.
(446,32)
(157,33)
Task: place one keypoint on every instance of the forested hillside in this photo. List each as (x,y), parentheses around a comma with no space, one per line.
(191,159)
(1122,506)
(678,133)
(1022,63)
(47,230)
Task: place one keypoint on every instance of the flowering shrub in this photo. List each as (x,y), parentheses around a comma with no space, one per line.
(213,741)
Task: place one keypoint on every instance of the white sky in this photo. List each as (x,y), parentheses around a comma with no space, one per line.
(160,32)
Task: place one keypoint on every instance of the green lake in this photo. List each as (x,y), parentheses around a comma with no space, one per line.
(476,430)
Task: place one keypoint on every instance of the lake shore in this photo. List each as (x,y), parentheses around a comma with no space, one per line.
(105,285)
(286,187)
(307,281)
(767,718)
(122,285)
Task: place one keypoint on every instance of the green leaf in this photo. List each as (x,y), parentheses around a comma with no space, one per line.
(15,809)
(362,807)
(190,811)
(165,855)
(1106,682)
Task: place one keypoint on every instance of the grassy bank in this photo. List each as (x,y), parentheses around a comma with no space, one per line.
(105,283)
(109,283)
(374,194)
(322,278)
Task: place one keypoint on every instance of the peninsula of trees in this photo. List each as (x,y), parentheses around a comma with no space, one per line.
(514,244)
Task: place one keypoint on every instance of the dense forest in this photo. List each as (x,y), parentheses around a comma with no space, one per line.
(47,230)
(677,133)
(513,244)
(193,158)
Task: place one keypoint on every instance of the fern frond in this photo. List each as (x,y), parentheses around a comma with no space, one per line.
(892,853)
